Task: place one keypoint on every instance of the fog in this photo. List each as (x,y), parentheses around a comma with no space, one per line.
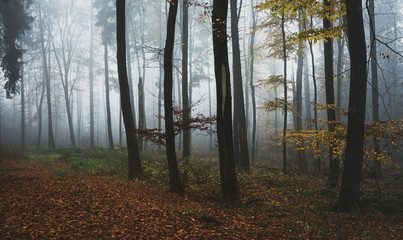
(72,29)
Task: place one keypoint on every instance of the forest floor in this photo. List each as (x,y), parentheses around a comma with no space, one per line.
(44,198)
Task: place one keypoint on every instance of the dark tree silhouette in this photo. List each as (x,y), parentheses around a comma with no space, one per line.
(14,21)
(174,178)
(349,197)
(131,137)
(229,184)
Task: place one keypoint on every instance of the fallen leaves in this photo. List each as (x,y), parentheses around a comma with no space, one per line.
(34,204)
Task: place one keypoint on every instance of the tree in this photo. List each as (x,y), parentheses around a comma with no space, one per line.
(64,50)
(14,21)
(374,82)
(349,197)
(51,141)
(174,178)
(238,90)
(331,113)
(252,87)
(91,77)
(229,184)
(302,163)
(104,20)
(185,91)
(131,137)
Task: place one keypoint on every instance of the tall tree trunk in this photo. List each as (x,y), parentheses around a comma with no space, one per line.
(22,107)
(340,48)
(108,105)
(161,74)
(374,83)
(285,96)
(185,88)
(238,89)
(130,126)
(78,116)
(315,102)
(349,197)
(174,178)
(141,112)
(252,87)
(333,177)
(39,110)
(307,91)
(91,76)
(51,141)
(302,162)
(229,183)
(129,68)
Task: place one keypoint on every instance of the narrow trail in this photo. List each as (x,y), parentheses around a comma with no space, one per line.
(37,204)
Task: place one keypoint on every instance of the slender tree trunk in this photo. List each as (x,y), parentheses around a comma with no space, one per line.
(302,162)
(307,91)
(252,87)
(229,183)
(161,74)
(130,126)
(51,141)
(108,105)
(174,178)
(340,46)
(22,107)
(39,110)
(285,96)
(91,76)
(238,89)
(315,103)
(349,197)
(141,112)
(374,84)
(185,88)
(333,177)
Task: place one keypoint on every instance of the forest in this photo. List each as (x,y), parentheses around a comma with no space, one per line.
(201,119)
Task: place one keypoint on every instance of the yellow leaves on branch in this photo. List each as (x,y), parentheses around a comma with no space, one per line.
(388,133)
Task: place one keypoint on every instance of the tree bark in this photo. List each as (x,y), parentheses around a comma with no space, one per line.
(131,137)
(285,96)
(252,87)
(302,162)
(51,141)
(229,184)
(333,177)
(108,104)
(91,76)
(349,197)
(377,171)
(22,108)
(238,89)
(185,88)
(174,178)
